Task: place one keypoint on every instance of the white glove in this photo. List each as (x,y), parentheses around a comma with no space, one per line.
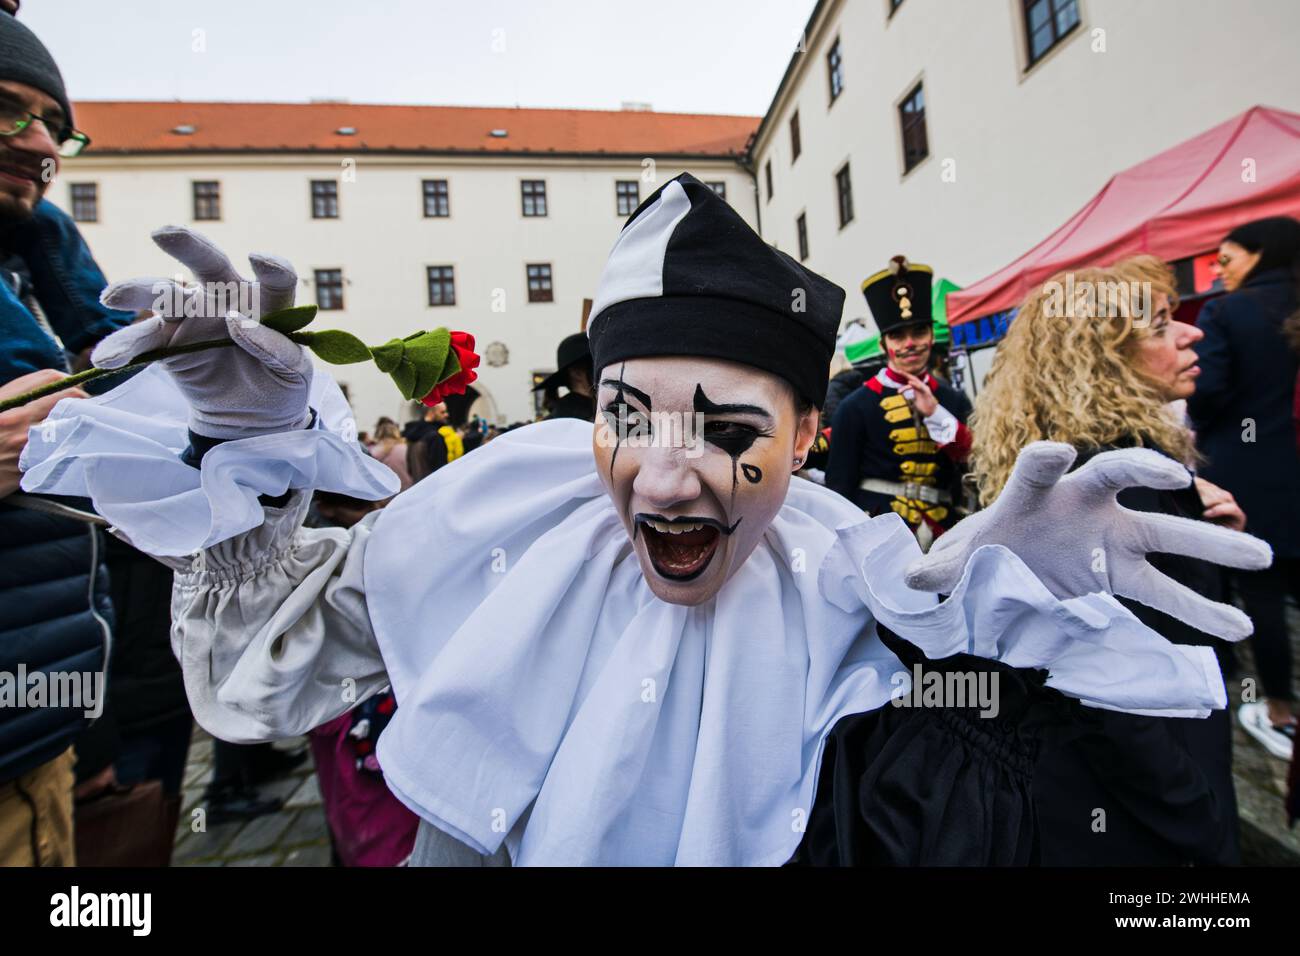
(259,386)
(1073,534)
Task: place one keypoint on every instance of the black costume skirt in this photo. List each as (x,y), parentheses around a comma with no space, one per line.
(934,786)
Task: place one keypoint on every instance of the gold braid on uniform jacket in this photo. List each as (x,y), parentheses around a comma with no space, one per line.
(913,439)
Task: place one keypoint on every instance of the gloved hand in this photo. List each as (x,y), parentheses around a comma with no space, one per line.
(258,387)
(1075,536)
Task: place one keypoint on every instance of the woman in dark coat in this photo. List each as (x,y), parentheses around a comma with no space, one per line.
(1116,788)
(1242,412)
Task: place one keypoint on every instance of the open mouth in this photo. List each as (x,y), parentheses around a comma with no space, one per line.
(680,548)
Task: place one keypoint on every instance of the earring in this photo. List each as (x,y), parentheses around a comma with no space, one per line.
(798,462)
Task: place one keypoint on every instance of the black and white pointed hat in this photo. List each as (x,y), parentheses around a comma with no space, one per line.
(688,276)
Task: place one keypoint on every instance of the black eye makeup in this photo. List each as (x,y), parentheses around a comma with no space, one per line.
(734,438)
(616,411)
(622,389)
(623,417)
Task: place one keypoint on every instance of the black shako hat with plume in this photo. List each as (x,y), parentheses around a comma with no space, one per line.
(688,276)
(899,295)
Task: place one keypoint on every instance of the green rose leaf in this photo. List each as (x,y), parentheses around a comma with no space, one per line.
(337,347)
(285,321)
(388,355)
(427,353)
(404,376)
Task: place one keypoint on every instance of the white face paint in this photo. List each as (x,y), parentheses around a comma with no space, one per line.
(696,504)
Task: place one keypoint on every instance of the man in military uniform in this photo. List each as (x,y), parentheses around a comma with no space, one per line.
(896,443)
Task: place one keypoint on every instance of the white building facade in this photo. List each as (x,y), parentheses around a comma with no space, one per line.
(392,255)
(956,132)
(1029,106)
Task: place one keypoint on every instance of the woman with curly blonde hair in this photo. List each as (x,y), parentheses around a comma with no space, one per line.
(1094,359)
(1069,370)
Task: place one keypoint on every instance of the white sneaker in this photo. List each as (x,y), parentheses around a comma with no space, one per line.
(1254,719)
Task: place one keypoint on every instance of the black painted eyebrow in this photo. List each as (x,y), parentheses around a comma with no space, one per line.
(707,407)
(636,393)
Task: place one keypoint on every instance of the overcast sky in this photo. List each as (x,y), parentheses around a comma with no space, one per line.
(699,56)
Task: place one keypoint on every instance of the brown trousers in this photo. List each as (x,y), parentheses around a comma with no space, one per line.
(36,815)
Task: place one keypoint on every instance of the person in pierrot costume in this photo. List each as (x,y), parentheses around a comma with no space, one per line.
(896,443)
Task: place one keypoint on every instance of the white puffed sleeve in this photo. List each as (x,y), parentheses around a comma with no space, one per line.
(271,628)
(269,619)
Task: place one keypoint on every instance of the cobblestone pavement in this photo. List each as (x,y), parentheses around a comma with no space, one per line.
(294,836)
(1260,778)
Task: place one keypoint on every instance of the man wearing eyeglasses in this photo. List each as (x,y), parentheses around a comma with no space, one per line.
(35,121)
(55,609)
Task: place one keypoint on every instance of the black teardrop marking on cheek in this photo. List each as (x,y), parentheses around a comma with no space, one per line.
(753,473)
(619,399)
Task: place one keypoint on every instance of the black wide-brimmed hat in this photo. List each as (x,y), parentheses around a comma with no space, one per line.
(899,295)
(572,350)
(688,276)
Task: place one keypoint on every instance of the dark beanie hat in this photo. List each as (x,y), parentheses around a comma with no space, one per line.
(24,59)
(688,276)
(1276,239)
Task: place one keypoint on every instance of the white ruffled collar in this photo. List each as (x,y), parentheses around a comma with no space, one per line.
(531,660)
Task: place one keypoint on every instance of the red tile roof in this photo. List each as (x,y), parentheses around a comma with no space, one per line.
(147,127)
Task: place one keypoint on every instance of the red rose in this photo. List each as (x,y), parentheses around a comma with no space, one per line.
(463,344)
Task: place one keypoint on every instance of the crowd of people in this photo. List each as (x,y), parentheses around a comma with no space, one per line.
(629,567)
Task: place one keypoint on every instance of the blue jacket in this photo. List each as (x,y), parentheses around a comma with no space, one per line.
(55,611)
(1242,406)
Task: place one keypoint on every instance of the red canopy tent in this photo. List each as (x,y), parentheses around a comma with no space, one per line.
(1179,203)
